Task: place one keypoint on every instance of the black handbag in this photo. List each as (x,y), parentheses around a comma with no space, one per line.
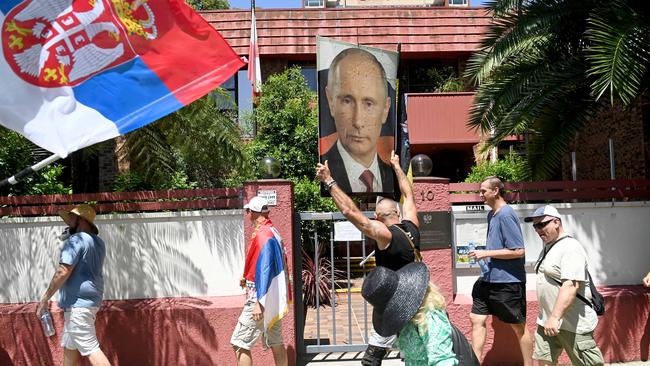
(462,348)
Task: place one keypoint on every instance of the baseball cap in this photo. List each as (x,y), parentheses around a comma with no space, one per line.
(257,204)
(543,211)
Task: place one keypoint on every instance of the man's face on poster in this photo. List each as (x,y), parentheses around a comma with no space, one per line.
(359,102)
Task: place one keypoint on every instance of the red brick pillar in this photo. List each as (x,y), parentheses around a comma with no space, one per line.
(282,217)
(432,194)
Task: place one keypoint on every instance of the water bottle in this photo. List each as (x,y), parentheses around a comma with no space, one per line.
(46,322)
(485,268)
(470,248)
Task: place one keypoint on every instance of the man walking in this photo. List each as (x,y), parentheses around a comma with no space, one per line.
(502,290)
(265,280)
(564,322)
(398,241)
(80,283)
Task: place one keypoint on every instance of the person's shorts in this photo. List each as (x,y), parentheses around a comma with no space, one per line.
(79,330)
(506,301)
(581,348)
(248,331)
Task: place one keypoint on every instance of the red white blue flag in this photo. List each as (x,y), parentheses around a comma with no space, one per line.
(266,267)
(75,73)
(254,71)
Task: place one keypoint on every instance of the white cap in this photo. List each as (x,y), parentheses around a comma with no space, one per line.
(543,211)
(257,204)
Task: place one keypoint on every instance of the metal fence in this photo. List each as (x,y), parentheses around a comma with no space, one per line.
(331,271)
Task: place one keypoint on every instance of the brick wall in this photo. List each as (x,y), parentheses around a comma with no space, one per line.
(625,127)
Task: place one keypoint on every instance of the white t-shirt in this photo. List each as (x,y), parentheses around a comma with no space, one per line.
(566,260)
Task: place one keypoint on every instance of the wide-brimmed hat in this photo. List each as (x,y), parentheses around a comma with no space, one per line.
(395,296)
(84,211)
(547,210)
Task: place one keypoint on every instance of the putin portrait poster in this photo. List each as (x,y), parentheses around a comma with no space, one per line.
(356,113)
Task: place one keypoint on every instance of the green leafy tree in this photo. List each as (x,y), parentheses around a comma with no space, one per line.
(197,146)
(544,64)
(209,4)
(512,168)
(287,130)
(18,153)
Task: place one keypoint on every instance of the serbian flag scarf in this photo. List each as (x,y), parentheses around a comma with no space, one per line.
(77,72)
(265,266)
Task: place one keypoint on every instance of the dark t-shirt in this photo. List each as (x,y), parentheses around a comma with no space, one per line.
(399,253)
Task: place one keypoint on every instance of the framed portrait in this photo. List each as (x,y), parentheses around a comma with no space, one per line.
(356,113)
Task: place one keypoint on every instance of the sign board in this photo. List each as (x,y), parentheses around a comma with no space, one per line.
(271,195)
(475,208)
(435,230)
(346,231)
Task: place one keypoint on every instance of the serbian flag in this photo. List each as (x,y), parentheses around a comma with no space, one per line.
(265,265)
(77,72)
(254,73)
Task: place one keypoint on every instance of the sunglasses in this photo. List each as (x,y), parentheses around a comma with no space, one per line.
(541,225)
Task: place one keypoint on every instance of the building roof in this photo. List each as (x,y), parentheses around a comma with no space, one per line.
(292,32)
(440,118)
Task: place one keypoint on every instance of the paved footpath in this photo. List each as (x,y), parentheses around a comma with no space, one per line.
(354,358)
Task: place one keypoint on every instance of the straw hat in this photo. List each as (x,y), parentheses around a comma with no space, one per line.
(84,211)
(395,296)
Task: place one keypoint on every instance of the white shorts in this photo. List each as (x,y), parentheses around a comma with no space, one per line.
(79,330)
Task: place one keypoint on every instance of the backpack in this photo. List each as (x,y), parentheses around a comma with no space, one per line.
(462,348)
(597,300)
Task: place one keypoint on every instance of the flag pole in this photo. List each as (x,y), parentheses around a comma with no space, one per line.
(29,171)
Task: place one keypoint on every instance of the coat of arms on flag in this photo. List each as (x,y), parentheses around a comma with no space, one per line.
(77,72)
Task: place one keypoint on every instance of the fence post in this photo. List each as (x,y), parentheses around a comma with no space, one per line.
(432,194)
(279,192)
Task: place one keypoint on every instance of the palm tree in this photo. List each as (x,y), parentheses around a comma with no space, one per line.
(201,141)
(543,66)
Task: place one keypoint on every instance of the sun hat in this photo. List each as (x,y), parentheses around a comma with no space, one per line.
(84,211)
(257,204)
(395,296)
(547,210)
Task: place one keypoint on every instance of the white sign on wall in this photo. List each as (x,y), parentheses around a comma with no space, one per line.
(346,231)
(271,196)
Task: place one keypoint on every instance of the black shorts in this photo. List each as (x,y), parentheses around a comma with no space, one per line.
(506,301)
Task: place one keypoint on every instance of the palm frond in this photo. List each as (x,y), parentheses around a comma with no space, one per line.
(619,55)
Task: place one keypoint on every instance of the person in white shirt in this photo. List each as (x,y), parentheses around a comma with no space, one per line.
(565,322)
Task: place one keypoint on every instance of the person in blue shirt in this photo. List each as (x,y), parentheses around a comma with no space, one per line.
(80,283)
(502,290)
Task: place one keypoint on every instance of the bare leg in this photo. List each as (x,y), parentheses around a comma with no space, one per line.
(98,359)
(244,357)
(280,355)
(545,363)
(479,330)
(70,357)
(525,342)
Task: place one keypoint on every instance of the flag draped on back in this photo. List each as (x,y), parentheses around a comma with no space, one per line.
(254,72)
(265,265)
(77,72)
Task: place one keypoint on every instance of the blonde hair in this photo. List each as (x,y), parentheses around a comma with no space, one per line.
(433,300)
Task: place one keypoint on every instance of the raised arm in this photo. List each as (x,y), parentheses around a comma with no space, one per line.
(409,212)
(349,209)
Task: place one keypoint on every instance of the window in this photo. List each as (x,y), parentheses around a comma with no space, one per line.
(313,3)
(458,2)
(239,96)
